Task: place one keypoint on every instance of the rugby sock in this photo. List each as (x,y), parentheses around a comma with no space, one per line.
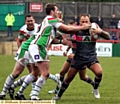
(62,89)
(51,76)
(97,82)
(33,86)
(38,86)
(26,82)
(90,81)
(9,81)
(61,79)
(18,82)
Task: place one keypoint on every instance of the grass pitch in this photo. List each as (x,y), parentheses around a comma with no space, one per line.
(78,92)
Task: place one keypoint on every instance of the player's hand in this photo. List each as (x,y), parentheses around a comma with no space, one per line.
(65,53)
(86,26)
(96,31)
(66,42)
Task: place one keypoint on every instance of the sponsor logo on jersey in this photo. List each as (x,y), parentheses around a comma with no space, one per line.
(36,57)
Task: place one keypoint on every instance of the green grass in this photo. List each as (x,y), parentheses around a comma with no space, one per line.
(78,92)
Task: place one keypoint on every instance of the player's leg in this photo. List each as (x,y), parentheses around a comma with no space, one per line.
(10,79)
(19,82)
(55,78)
(14,85)
(63,71)
(41,58)
(84,77)
(70,76)
(26,63)
(44,70)
(97,70)
(29,79)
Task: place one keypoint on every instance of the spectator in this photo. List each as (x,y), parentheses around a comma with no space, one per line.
(114,37)
(10,19)
(91,19)
(76,19)
(118,26)
(113,24)
(99,21)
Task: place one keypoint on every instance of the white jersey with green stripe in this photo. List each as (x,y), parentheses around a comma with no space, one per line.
(26,44)
(47,31)
(24,33)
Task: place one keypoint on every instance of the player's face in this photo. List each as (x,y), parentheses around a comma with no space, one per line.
(30,23)
(56,12)
(84,19)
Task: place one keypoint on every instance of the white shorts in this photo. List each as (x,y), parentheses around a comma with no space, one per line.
(37,54)
(22,57)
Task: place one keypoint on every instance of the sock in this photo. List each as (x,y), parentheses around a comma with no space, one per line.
(38,86)
(62,89)
(51,76)
(97,82)
(90,81)
(33,86)
(9,81)
(26,82)
(61,79)
(18,82)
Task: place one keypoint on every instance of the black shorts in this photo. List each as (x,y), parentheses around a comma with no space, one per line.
(83,64)
(69,60)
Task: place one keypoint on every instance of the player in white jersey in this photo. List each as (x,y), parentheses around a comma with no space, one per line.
(38,47)
(25,32)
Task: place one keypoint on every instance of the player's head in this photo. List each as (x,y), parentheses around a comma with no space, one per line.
(29,21)
(51,9)
(84,18)
(60,14)
(71,22)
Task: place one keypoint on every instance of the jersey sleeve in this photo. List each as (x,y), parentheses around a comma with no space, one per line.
(21,34)
(57,24)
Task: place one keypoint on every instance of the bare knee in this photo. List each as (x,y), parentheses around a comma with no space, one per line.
(99,75)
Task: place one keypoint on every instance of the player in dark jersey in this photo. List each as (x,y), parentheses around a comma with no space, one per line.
(85,57)
(67,63)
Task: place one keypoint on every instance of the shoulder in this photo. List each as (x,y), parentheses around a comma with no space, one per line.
(52,20)
(23,27)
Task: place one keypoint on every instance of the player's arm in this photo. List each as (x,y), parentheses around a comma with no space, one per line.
(20,39)
(102,33)
(67,29)
(19,42)
(71,39)
(105,35)
(63,41)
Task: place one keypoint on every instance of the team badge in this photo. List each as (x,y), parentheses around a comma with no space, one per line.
(36,57)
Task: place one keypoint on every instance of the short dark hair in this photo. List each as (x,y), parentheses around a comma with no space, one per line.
(49,7)
(84,15)
(28,15)
(71,22)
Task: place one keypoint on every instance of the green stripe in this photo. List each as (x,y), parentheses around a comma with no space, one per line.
(21,54)
(43,40)
(52,21)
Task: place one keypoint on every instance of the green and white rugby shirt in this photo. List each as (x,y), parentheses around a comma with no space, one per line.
(47,31)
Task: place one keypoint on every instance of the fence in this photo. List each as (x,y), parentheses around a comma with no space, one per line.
(69,9)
